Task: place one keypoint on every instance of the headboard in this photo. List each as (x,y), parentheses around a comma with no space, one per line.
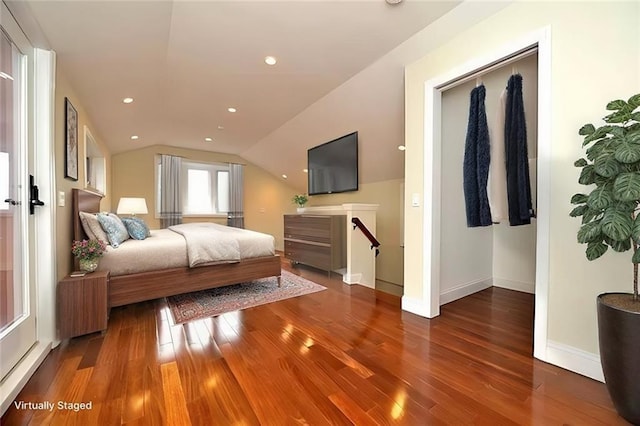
(83,201)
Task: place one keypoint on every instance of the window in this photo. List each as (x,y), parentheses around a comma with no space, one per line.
(204,187)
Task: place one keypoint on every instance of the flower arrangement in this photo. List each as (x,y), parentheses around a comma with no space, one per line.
(300,199)
(88,249)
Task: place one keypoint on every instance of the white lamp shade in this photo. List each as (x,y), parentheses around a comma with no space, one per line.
(132,206)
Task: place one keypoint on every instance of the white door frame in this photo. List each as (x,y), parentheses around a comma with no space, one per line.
(433,167)
(40,126)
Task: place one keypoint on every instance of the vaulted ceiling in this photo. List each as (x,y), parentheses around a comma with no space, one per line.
(186,62)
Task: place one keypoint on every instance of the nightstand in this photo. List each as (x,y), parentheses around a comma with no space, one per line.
(82,304)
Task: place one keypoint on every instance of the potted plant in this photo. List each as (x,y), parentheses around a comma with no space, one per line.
(300,200)
(88,253)
(609,211)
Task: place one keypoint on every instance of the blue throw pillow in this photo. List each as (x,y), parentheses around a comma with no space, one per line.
(138,230)
(114,228)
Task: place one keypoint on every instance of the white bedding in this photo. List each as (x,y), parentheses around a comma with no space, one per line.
(166,249)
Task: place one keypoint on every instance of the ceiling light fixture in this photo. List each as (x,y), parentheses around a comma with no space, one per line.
(127,100)
(393,2)
(305,170)
(402,147)
(270,60)
(284,176)
(208,139)
(231,109)
(134,137)
(220,127)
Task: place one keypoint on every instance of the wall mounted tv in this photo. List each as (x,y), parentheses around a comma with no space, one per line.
(333,166)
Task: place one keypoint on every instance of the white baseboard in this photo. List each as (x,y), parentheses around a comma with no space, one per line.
(573,359)
(464,290)
(352,278)
(515,285)
(20,375)
(415,306)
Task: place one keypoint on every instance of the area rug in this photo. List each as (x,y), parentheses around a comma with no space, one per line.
(217,301)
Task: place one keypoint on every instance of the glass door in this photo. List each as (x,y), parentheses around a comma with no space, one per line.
(17,301)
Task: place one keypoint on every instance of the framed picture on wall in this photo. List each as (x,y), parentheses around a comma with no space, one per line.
(71,141)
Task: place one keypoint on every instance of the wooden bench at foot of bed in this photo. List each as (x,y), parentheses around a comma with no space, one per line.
(126,289)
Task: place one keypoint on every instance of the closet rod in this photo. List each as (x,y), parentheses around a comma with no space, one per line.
(516,56)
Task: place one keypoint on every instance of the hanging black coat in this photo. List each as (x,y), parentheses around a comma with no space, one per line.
(476,162)
(517,157)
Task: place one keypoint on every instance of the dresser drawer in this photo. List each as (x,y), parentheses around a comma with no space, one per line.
(311,228)
(309,254)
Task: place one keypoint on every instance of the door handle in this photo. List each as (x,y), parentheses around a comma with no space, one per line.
(12,201)
(33,196)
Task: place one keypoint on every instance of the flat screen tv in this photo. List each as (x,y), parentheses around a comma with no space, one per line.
(333,166)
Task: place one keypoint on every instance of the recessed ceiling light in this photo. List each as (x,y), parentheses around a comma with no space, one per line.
(127,100)
(208,139)
(134,137)
(402,147)
(284,176)
(305,170)
(270,60)
(220,127)
(231,109)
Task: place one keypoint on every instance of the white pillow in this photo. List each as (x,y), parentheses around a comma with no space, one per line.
(92,227)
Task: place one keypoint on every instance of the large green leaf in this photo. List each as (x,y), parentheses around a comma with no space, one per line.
(590,215)
(634,101)
(620,246)
(581,162)
(600,198)
(618,117)
(616,224)
(606,165)
(590,232)
(635,229)
(579,211)
(627,153)
(627,187)
(587,175)
(616,105)
(600,133)
(617,131)
(587,130)
(596,249)
(579,198)
(636,256)
(633,133)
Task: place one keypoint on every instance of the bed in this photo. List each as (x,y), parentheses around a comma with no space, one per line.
(126,288)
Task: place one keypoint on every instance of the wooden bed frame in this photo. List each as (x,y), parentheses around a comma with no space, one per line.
(126,289)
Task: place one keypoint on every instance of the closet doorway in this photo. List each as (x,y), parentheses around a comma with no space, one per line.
(458,260)
(475,258)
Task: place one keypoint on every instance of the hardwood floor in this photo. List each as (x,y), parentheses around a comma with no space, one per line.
(346,355)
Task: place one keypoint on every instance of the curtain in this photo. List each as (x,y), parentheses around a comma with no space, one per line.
(235,216)
(476,162)
(170,196)
(515,134)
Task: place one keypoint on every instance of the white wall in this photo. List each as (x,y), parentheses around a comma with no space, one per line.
(594,59)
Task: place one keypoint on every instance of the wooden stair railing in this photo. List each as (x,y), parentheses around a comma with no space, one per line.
(357,223)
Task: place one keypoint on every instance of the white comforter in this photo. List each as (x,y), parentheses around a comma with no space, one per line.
(167,249)
(209,243)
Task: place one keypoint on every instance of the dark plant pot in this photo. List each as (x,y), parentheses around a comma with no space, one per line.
(619,338)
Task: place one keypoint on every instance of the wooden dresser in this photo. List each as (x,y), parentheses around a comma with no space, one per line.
(316,240)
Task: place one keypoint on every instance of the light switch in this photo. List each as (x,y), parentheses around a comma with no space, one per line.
(415,200)
(61,199)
